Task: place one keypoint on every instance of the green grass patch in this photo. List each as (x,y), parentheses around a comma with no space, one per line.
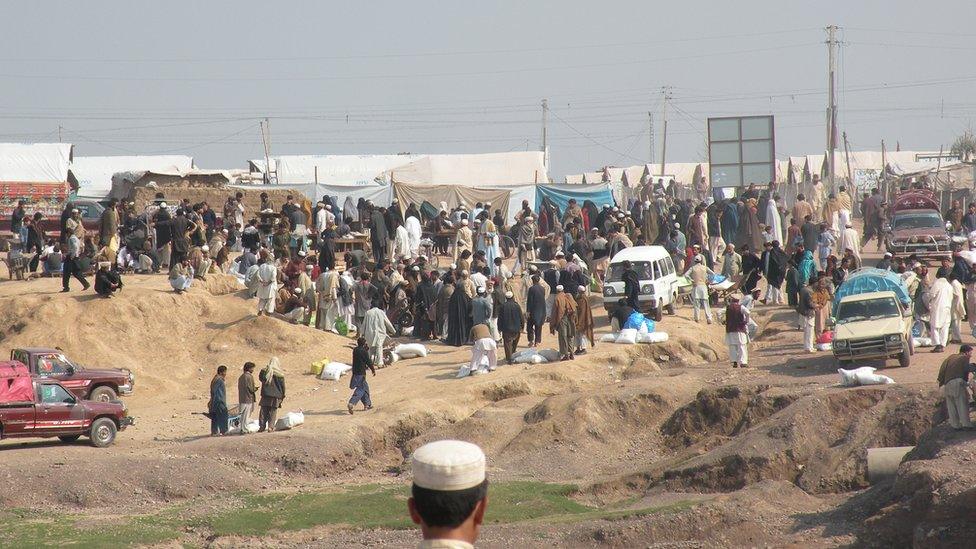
(248,514)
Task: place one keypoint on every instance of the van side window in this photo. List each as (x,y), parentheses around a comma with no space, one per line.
(670,265)
(658,269)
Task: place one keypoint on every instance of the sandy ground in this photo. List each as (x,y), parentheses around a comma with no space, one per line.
(770,449)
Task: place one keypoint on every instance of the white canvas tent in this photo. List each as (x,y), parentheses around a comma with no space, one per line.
(93,174)
(592,178)
(35,162)
(473,170)
(575,179)
(342,170)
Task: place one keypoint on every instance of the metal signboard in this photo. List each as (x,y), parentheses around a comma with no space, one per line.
(741,151)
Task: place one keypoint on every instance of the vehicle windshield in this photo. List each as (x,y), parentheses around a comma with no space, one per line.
(643,269)
(868,309)
(52,365)
(929,220)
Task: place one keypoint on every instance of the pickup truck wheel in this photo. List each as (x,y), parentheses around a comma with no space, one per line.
(103,394)
(103,432)
(905,359)
(69,438)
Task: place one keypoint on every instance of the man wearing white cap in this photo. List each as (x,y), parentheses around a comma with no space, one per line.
(464,240)
(698,274)
(449,494)
(563,322)
(736,332)
(510,324)
(484,356)
(850,241)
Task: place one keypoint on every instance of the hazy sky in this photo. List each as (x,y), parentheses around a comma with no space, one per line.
(384,77)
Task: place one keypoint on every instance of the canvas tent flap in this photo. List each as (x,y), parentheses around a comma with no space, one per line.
(474,170)
(453,195)
(93,174)
(346,170)
(35,162)
(560,194)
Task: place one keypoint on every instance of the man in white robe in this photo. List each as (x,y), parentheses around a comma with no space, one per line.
(850,240)
(464,240)
(939,301)
(773,218)
(375,329)
(267,285)
(327,287)
(401,243)
(415,233)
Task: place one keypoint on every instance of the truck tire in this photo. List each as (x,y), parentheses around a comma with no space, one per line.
(69,438)
(102,432)
(103,393)
(905,359)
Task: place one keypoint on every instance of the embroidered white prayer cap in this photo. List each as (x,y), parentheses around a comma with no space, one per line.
(448,465)
(509,295)
(464,221)
(559,288)
(481,289)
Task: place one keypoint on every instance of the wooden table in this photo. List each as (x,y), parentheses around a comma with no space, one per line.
(347,244)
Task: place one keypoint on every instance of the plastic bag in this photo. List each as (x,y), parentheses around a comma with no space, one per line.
(862,376)
(290,420)
(922,341)
(917,329)
(871,378)
(334,370)
(653,337)
(410,350)
(826,337)
(639,322)
(608,338)
(342,327)
(550,355)
(627,336)
(824,346)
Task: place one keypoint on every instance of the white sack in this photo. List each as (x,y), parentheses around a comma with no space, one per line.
(627,336)
(653,337)
(334,370)
(608,338)
(410,350)
(291,419)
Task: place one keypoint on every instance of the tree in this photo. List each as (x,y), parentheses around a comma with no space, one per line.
(965,146)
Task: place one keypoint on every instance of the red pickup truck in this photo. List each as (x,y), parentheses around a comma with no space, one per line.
(88,384)
(43,408)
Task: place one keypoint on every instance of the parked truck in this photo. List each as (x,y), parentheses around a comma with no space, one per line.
(872,317)
(917,226)
(43,408)
(86,383)
(49,199)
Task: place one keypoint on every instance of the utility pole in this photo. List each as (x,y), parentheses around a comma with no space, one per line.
(59,133)
(266,139)
(884,170)
(650,133)
(666,95)
(847,155)
(831,103)
(545,124)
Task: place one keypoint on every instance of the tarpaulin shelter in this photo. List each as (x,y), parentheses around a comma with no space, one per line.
(452,195)
(15,383)
(869,279)
(91,176)
(592,178)
(35,162)
(559,195)
(575,179)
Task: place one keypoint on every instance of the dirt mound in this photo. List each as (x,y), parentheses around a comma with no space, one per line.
(932,500)
(723,411)
(817,442)
(527,434)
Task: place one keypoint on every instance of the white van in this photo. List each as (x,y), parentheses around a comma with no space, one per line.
(658,279)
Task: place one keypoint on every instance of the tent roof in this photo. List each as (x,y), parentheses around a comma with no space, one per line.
(632,175)
(472,170)
(575,179)
(35,162)
(349,169)
(683,172)
(592,178)
(94,173)
(614,174)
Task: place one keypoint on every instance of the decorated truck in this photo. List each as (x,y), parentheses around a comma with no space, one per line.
(104,385)
(43,408)
(872,318)
(47,198)
(917,227)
